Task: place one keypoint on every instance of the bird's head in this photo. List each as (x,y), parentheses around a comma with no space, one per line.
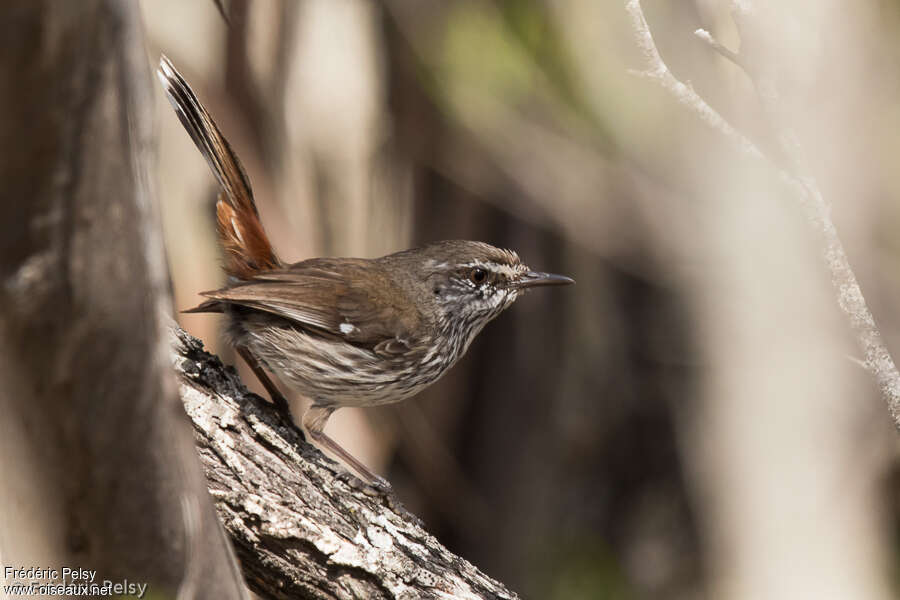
(470,283)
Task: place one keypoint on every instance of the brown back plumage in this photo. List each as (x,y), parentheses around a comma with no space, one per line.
(350,299)
(247,248)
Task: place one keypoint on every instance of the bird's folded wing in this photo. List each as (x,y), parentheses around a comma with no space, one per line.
(346,298)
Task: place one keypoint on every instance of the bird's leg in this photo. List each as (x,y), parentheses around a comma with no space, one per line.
(314,420)
(275,394)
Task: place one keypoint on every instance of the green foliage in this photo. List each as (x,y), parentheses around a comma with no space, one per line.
(582,570)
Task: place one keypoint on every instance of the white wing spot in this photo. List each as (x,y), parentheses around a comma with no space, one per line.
(237,231)
(347,328)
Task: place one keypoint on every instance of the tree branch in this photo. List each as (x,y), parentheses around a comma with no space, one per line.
(658,71)
(721,49)
(301,525)
(877,358)
(98,462)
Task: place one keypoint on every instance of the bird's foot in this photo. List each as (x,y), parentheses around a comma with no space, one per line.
(379,487)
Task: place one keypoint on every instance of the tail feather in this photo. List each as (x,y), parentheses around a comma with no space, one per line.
(247,248)
(208,306)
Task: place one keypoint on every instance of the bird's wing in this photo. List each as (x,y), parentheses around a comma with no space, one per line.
(352,299)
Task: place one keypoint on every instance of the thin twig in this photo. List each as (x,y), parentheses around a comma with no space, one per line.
(721,49)
(658,71)
(850,298)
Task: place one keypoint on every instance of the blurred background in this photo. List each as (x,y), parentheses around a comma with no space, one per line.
(690,420)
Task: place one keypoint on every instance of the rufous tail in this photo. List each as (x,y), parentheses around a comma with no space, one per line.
(247,248)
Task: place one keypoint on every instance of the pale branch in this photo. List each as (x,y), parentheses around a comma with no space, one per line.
(724,51)
(300,524)
(658,71)
(877,358)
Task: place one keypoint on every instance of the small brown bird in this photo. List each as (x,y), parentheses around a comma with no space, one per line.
(344,331)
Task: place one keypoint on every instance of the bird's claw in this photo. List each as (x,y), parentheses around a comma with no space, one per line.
(379,487)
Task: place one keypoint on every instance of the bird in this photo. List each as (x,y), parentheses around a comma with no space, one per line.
(343,331)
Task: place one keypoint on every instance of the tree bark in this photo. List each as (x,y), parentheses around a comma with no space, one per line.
(98,465)
(301,525)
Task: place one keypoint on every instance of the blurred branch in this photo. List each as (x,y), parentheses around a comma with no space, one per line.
(98,464)
(223,9)
(877,358)
(721,49)
(657,70)
(301,526)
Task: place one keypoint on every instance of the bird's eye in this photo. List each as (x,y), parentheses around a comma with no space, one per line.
(477,275)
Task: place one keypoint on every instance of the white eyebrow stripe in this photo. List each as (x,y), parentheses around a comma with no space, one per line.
(509,271)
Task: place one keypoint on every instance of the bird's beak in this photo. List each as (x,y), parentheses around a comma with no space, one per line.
(532,279)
